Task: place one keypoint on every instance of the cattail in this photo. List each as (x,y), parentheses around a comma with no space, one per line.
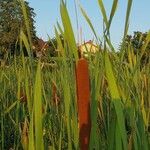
(83,95)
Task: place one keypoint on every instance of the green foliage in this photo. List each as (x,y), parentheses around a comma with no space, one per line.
(53,50)
(34,114)
(137,43)
(11,22)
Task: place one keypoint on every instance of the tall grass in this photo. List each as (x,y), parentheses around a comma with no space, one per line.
(120,100)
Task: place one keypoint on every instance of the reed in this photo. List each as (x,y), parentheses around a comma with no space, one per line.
(119,94)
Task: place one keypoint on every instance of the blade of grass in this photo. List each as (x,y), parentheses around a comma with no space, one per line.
(68,31)
(31,134)
(26,20)
(38,110)
(116,99)
(113,10)
(89,22)
(103,11)
(127,17)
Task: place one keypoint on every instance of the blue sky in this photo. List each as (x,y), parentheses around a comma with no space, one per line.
(48,14)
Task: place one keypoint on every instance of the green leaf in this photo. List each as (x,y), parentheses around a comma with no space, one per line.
(127,17)
(38,110)
(103,11)
(113,10)
(116,99)
(68,31)
(88,21)
(111,79)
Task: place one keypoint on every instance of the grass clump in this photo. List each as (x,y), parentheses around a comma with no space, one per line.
(38,104)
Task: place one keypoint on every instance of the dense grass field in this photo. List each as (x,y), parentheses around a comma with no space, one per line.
(38,102)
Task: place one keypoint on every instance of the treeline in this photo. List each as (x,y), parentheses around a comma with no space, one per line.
(12,21)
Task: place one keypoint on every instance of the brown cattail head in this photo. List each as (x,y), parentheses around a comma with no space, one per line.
(83,95)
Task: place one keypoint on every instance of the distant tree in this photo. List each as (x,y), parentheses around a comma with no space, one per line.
(136,42)
(11,21)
